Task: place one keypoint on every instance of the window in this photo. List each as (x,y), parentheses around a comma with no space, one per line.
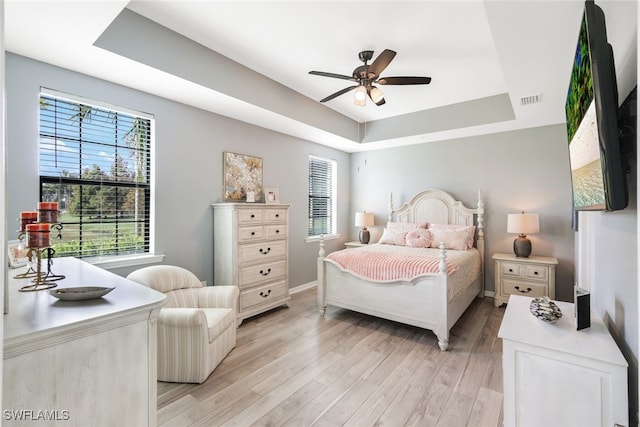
(322,193)
(95,162)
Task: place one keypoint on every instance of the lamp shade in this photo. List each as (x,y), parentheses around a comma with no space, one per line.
(523,223)
(364,219)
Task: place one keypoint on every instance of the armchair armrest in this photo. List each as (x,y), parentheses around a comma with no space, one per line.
(182,317)
(218,297)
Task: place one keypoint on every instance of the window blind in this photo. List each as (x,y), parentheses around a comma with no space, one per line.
(321,196)
(95,162)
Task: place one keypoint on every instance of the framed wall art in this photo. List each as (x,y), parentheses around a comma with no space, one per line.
(242,175)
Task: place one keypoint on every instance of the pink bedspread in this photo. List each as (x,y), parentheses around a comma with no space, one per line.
(387,266)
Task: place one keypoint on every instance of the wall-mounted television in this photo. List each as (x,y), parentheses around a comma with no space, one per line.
(598,172)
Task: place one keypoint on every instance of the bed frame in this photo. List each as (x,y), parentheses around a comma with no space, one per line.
(421,301)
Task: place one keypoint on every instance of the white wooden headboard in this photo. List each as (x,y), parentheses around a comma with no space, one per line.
(439,207)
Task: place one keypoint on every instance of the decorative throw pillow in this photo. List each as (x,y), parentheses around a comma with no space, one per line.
(419,238)
(393,237)
(458,237)
(405,226)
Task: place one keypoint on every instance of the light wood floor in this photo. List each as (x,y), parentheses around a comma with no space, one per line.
(291,367)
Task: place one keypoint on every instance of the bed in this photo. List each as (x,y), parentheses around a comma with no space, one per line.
(432,300)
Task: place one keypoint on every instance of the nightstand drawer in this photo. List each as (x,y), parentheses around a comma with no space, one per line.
(511,269)
(514,287)
(536,272)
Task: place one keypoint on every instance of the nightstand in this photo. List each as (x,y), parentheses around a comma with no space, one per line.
(534,276)
(354,244)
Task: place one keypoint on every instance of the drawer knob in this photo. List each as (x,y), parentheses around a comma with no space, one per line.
(511,270)
(253,215)
(277,215)
(265,273)
(253,233)
(523,292)
(535,272)
(263,252)
(265,294)
(277,231)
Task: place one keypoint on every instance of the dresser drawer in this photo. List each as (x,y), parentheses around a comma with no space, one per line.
(275,231)
(536,272)
(254,252)
(529,289)
(250,216)
(275,215)
(262,272)
(262,295)
(511,269)
(250,233)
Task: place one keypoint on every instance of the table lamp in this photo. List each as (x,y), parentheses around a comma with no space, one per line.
(522,224)
(364,220)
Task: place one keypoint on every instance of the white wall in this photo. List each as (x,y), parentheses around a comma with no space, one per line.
(188,163)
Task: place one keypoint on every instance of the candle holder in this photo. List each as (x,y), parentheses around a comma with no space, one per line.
(39,282)
(50,276)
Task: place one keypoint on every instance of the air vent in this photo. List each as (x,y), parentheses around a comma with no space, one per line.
(531,99)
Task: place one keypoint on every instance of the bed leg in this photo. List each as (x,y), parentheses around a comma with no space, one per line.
(323,309)
(443,344)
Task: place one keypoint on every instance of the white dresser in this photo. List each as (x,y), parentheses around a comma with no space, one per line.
(555,375)
(80,363)
(251,251)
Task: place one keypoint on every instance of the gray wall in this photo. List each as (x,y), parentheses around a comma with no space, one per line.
(520,170)
(188,163)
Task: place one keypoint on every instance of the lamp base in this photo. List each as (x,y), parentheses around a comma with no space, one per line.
(522,246)
(364,236)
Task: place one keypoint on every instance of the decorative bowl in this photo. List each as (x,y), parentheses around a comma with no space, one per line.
(80,293)
(545,309)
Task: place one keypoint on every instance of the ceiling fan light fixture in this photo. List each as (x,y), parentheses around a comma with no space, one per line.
(377,95)
(360,96)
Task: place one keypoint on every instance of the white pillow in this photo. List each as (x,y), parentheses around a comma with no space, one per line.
(393,237)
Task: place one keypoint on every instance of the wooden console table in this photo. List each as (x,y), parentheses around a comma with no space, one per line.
(74,363)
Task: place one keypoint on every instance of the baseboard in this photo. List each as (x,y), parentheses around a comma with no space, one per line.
(303,287)
(489,294)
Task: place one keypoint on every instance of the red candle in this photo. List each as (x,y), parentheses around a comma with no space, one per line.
(38,235)
(48,212)
(27,218)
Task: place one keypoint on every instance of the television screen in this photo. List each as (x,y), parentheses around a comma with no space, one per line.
(597,174)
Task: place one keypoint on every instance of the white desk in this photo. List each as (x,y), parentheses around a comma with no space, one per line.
(555,375)
(81,363)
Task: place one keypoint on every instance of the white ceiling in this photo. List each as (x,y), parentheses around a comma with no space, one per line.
(473,50)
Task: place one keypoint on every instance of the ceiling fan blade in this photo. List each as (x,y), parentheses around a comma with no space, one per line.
(404,80)
(338,93)
(334,75)
(381,62)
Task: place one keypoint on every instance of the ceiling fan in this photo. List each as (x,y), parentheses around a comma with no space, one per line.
(369,74)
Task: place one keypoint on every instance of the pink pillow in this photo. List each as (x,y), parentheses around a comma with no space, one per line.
(454,236)
(419,238)
(393,238)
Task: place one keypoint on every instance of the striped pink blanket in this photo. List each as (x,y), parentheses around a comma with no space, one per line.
(387,266)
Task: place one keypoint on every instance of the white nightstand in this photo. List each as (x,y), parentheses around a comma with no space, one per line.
(534,276)
(354,244)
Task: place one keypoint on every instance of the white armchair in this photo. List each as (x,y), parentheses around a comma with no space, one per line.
(196,327)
